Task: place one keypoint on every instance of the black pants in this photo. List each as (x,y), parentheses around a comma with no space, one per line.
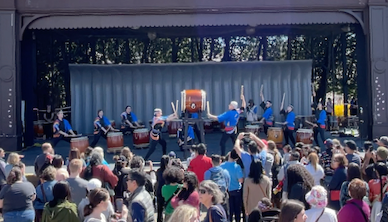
(56,140)
(329,120)
(321,131)
(266,126)
(235,203)
(288,135)
(160,207)
(97,137)
(197,133)
(153,144)
(242,205)
(224,138)
(48,130)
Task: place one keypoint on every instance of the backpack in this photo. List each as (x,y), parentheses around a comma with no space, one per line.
(219,179)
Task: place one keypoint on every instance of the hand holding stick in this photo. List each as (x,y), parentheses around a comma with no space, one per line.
(173,107)
(261,93)
(282,104)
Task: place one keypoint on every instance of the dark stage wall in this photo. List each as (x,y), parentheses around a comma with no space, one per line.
(149,86)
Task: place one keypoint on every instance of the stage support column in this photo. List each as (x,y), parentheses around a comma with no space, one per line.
(378,45)
(10,124)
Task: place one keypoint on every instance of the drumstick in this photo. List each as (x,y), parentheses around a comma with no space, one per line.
(177,102)
(261,90)
(173,107)
(242,90)
(284,95)
(208,107)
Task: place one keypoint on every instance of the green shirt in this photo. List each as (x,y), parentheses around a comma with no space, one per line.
(167,192)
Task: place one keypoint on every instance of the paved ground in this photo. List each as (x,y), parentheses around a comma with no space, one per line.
(212,140)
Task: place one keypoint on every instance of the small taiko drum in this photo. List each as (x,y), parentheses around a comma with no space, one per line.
(173,127)
(81,143)
(112,123)
(193,100)
(115,140)
(141,138)
(208,126)
(38,128)
(275,134)
(252,129)
(305,136)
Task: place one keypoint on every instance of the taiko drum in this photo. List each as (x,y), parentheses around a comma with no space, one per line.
(193,100)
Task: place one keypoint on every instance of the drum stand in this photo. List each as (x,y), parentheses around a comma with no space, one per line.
(186,121)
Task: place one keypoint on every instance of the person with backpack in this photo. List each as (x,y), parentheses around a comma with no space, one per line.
(221,177)
(282,175)
(44,160)
(173,177)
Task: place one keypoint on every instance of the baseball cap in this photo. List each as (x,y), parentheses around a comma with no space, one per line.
(351,144)
(172,154)
(329,142)
(382,152)
(93,184)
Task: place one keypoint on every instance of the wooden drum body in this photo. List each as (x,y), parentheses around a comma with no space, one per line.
(81,143)
(38,128)
(141,138)
(173,127)
(115,140)
(305,136)
(275,134)
(193,100)
(252,129)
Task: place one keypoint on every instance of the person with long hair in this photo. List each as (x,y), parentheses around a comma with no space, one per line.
(299,182)
(292,211)
(188,194)
(339,164)
(44,191)
(378,187)
(276,167)
(314,168)
(173,177)
(185,213)
(353,172)
(12,160)
(96,169)
(211,197)
(98,203)
(160,182)
(256,186)
(101,127)
(60,209)
(74,153)
(16,198)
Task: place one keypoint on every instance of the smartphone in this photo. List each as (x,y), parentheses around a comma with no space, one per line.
(119,204)
(246,134)
(371,149)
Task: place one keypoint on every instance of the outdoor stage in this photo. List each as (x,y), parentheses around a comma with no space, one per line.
(212,141)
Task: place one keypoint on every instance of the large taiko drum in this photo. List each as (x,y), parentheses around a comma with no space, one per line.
(208,125)
(252,129)
(193,100)
(115,140)
(275,134)
(305,136)
(81,143)
(38,128)
(141,138)
(173,127)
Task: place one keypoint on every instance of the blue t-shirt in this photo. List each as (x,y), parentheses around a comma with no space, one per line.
(268,114)
(246,159)
(235,173)
(290,119)
(190,132)
(322,117)
(230,117)
(194,115)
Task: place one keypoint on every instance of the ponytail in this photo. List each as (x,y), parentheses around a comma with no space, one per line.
(88,209)
(14,176)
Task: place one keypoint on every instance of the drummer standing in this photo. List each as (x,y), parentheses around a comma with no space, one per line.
(156,131)
(289,124)
(320,126)
(101,127)
(128,120)
(62,130)
(230,118)
(267,119)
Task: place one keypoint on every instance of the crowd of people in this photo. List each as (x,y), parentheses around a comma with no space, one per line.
(253,182)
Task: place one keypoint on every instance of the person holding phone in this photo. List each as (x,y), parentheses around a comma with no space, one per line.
(371,158)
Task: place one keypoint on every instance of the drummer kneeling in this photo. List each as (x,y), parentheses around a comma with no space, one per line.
(62,130)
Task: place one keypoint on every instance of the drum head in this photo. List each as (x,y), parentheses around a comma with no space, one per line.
(115,134)
(140,130)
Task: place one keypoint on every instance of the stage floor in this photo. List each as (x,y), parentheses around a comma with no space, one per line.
(212,141)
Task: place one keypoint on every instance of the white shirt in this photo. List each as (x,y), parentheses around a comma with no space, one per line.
(328,215)
(317,174)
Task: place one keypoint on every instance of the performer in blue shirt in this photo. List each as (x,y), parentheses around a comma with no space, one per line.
(196,127)
(156,131)
(230,118)
(320,126)
(61,130)
(128,120)
(267,119)
(289,125)
(101,127)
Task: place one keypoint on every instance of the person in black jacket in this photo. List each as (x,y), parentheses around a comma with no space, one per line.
(158,186)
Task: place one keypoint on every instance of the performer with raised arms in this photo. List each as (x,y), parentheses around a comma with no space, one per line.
(156,127)
(62,130)
(230,118)
(267,119)
(101,127)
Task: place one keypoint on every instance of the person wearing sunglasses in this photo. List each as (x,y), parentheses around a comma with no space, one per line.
(211,197)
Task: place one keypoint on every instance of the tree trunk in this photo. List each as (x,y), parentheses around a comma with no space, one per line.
(226,50)
(174,54)
(211,50)
(265,47)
